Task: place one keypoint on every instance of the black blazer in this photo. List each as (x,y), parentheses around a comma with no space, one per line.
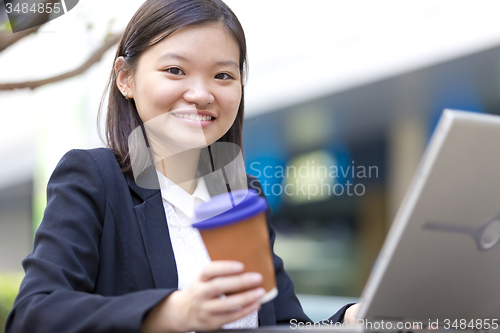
(102,256)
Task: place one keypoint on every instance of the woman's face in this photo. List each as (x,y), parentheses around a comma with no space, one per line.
(187,88)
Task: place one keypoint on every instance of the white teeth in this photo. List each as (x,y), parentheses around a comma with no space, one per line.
(192,116)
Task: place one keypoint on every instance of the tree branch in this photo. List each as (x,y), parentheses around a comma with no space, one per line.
(94,58)
(39,19)
(7,40)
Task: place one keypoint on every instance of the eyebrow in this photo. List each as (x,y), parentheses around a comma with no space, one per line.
(167,56)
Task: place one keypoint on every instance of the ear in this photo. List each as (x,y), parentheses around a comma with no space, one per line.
(123,79)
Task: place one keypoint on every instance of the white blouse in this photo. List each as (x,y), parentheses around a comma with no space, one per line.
(189,249)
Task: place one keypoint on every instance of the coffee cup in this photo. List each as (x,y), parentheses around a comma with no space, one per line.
(233,226)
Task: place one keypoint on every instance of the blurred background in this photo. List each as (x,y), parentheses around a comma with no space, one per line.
(341,100)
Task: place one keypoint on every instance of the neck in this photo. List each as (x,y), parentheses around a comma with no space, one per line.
(181,168)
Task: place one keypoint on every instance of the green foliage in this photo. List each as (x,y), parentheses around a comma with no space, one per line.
(9,288)
(5,26)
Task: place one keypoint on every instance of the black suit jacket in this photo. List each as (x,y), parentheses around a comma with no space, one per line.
(102,256)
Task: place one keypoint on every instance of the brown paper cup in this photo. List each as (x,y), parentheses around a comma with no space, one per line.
(245,240)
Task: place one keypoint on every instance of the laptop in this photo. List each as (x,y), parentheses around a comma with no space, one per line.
(440,262)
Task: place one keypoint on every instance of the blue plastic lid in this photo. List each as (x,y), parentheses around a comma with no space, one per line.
(221,211)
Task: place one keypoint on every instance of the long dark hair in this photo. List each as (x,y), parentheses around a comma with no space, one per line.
(154,21)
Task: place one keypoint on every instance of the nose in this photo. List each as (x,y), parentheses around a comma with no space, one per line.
(199,93)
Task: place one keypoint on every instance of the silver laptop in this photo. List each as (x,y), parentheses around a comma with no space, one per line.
(441,258)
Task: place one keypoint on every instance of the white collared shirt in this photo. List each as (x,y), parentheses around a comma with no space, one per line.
(189,249)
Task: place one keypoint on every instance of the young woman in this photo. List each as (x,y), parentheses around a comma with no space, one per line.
(113,256)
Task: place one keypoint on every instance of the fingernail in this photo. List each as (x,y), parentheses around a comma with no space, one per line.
(238,266)
(256,277)
(260,292)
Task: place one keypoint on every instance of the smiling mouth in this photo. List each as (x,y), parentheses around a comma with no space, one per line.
(193,117)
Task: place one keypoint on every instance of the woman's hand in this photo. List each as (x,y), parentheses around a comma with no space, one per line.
(201,307)
(351,313)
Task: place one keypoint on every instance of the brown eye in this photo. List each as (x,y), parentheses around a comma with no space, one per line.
(175,71)
(223,76)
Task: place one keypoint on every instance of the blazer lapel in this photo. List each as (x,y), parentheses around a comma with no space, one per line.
(154,230)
